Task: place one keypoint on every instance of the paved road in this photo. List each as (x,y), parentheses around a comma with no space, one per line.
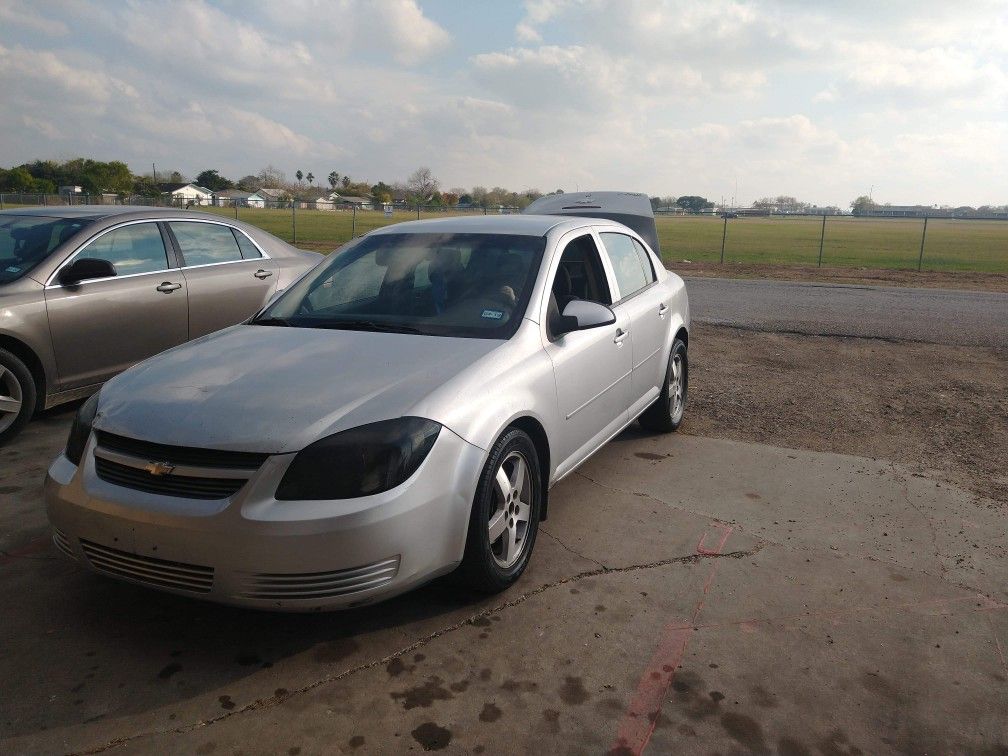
(942,316)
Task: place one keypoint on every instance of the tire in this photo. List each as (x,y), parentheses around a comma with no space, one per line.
(666,414)
(487,564)
(17,395)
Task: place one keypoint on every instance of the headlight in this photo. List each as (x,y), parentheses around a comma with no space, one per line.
(80,431)
(360,461)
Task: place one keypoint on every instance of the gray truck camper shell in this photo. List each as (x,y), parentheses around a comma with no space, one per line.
(629,208)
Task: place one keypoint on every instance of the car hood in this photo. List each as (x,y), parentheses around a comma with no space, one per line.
(277,389)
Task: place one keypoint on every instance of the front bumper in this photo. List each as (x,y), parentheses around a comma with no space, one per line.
(252,550)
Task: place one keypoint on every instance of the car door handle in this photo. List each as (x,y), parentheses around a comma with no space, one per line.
(168,287)
(620,336)
(662,309)
(263,273)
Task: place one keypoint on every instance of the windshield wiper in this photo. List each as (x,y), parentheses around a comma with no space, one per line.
(367,325)
(271,321)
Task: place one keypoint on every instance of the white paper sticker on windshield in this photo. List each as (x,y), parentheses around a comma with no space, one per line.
(13,269)
(493,314)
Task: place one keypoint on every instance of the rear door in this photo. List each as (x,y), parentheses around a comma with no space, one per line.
(228,276)
(641,299)
(101,327)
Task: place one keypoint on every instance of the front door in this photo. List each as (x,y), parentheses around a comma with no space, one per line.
(100,328)
(592,367)
(228,279)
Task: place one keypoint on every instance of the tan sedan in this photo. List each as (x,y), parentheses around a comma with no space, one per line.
(86,292)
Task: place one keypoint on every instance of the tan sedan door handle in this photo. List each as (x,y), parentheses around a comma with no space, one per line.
(263,273)
(168,287)
(620,336)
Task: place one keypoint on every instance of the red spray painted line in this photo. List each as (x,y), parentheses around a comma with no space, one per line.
(638,723)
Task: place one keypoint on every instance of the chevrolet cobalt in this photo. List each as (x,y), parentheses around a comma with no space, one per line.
(397,414)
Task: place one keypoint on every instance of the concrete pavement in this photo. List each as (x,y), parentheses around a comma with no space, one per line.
(686,595)
(941,316)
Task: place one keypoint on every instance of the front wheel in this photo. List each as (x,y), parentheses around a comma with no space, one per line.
(505,515)
(666,414)
(17,395)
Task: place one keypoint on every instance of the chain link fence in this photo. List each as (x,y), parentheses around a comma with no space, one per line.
(927,243)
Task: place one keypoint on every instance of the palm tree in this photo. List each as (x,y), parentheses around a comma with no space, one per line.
(334,178)
(310,177)
(299,175)
(346,182)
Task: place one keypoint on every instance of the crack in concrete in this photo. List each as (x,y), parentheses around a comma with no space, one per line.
(271,701)
(572,551)
(808,548)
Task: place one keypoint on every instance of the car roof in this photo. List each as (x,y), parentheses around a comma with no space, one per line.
(94,212)
(520,225)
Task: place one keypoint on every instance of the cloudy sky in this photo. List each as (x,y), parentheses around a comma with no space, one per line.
(657,96)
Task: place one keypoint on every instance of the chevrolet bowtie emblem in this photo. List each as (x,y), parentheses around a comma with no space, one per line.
(159,468)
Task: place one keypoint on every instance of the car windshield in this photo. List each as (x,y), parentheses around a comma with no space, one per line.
(471,285)
(26,240)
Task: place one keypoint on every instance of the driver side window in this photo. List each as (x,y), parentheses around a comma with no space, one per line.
(132,249)
(579,276)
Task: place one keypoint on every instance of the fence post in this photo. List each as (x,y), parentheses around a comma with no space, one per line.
(353,223)
(1,201)
(236,207)
(822,236)
(418,211)
(724,235)
(294,221)
(920,260)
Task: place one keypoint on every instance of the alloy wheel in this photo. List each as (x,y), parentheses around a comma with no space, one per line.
(11,398)
(675,391)
(508,527)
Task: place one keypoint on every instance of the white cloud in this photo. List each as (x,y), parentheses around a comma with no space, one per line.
(19,13)
(661,96)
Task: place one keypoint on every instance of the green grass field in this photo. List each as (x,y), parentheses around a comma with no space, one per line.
(953,245)
(888,243)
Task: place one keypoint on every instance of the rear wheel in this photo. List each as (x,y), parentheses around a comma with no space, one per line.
(666,414)
(17,395)
(505,515)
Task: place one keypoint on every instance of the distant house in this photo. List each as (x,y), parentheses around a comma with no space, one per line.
(361,203)
(901,211)
(269,198)
(231,198)
(315,199)
(186,193)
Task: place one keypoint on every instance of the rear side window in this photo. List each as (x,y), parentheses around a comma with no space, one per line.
(137,248)
(645,260)
(205,243)
(626,264)
(248,250)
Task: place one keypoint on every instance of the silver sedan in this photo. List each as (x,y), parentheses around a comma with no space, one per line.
(399,413)
(87,291)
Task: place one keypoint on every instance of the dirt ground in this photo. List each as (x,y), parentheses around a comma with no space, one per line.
(940,409)
(967,280)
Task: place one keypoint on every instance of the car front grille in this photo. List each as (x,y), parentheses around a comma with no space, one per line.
(181,455)
(315,585)
(190,487)
(188,472)
(157,572)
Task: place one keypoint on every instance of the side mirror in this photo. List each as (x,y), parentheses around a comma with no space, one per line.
(580,315)
(86,269)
